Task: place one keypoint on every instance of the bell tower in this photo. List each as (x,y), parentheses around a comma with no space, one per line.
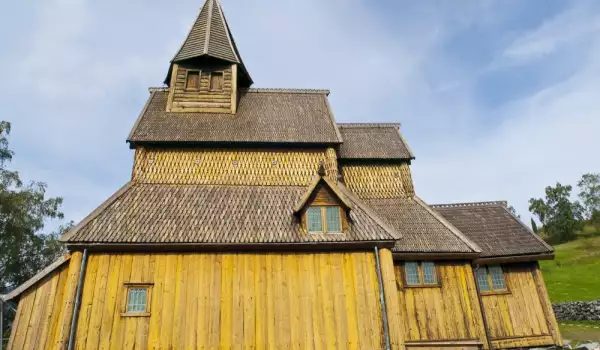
(207,72)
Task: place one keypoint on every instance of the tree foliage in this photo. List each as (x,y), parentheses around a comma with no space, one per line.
(24,208)
(589,192)
(561,217)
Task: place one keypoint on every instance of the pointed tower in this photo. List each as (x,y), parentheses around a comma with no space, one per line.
(207,71)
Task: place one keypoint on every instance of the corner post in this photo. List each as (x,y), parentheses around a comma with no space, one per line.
(390,293)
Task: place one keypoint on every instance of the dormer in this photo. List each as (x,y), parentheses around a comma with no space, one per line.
(207,72)
(323,208)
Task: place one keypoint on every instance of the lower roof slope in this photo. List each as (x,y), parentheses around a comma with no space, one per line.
(263,115)
(209,214)
(422,230)
(494,229)
(373,141)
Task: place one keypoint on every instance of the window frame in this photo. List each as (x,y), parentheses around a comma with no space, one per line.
(187,75)
(324,219)
(422,284)
(138,285)
(210,81)
(492,291)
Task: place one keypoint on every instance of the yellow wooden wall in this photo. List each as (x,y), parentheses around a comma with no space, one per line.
(448,312)
(518,318)
(232,167)
(234,301)
(43,317)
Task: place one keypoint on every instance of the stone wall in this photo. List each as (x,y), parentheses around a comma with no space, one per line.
(578,310)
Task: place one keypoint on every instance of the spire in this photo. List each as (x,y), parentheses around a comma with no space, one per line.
(210,37)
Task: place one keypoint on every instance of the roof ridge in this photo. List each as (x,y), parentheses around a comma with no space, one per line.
(369,125)
(287,90)
(470,204)
(449,225)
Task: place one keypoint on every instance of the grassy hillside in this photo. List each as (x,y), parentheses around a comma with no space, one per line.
(575,273)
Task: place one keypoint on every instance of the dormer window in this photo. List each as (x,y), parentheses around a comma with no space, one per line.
(324,219)
(216,81)
(192,80)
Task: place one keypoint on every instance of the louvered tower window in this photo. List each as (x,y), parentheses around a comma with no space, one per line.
(192,80)
(216,81)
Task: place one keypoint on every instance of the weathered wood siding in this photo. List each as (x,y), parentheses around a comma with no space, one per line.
(234,301)
(202,99)
(43,317)
(449,311)
(517,318)
(285,167)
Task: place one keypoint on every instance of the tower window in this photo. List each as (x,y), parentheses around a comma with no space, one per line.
(192,80)
(324,219)
(216,81)
(420,274)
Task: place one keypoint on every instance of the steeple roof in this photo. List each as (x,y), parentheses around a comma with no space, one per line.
(210,37)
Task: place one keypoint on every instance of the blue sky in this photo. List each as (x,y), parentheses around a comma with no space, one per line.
(497,99)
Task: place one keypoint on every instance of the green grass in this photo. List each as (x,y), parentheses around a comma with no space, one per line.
(575,273)
(580,331)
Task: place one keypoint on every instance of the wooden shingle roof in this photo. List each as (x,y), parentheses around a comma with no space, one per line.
(495,230)
(373,141)
(422,230)
(263,116)
(165,213)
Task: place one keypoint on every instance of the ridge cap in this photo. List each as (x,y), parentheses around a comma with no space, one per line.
(502,203)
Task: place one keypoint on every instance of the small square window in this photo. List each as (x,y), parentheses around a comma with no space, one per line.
(420,274)
(491,279)
(137,301)
(324,219)
(192,80)
(216,81)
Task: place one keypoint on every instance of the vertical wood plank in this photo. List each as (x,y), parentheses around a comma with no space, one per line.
(64,322)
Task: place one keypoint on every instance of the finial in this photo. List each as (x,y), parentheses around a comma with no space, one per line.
(321,170)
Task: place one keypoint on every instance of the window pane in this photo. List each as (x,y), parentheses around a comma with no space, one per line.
(333,219)
(482,279)
(412,273)
(429,276)
(136,300)
(314,219)
(497,277)
(193,80)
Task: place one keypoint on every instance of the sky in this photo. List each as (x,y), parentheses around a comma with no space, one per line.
(497,99)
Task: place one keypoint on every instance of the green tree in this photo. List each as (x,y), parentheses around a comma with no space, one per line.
(24,208)
(589,192)
(561,217)
(534,227)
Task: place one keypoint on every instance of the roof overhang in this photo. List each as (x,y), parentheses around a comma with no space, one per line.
(514,258)
(434,256)
(232,247)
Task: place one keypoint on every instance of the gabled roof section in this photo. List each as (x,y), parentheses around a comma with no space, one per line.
(373,141)
(263,116)
(497,231)
(215,215)
(422,229)
(320,178)
(210,36)
(35,279)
